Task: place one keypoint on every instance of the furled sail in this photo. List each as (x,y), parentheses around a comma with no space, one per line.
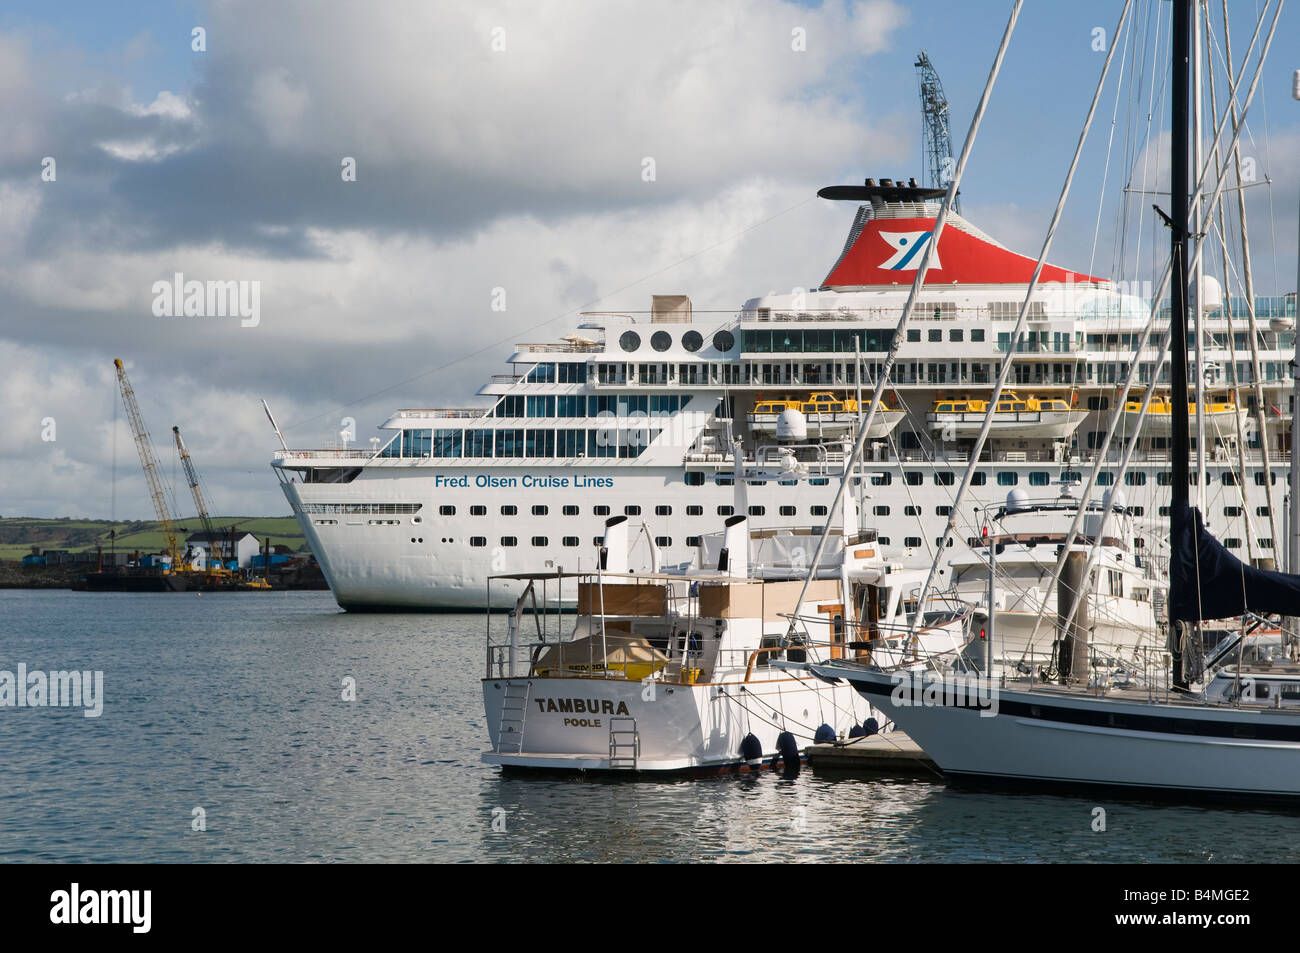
(1200,566)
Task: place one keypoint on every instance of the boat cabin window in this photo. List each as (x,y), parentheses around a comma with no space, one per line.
(769,642)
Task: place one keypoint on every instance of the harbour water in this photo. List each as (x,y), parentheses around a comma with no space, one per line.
(233,703)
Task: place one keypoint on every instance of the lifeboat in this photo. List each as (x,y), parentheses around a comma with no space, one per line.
(1221,415)
(1015,416)
(827,415)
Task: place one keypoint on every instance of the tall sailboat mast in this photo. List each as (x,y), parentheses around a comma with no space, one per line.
(1178,190)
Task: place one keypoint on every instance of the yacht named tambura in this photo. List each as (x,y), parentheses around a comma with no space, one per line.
(652,416)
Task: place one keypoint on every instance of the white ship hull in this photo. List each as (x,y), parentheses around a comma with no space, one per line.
(1075,742)
(387,561)
(686,728)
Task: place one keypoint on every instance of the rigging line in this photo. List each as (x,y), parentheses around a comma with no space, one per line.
(1268,164)
(1145,155)
(1119,40)
(933,460)
(926,257)
(1211,208)
(1005,372)
(1219,228)
(1261,420)
(1137,74)
(811,732)
(1116,255)
(541,324)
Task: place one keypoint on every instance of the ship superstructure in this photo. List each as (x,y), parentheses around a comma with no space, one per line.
(643,415)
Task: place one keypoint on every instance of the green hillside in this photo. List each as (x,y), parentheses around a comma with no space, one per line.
(19,534)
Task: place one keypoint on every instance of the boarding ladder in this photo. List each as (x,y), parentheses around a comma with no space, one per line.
(624,743)
(514,706)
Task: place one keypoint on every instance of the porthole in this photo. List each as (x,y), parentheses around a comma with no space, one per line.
(724,341)
(661,340)
(417,520)
(630,341)
(692,341)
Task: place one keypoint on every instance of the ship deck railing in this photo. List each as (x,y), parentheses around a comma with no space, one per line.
(438,413)
(329,453)
(567,348)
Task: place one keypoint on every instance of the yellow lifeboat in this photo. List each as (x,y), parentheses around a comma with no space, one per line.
(1221,415)
(827,415)
(1014,416)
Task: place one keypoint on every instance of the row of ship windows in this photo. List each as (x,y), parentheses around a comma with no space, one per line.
(1044,478)
(909,542)
(624,443)
(912,542)
(542,509)
(584,405)
(662,541)
(835,341)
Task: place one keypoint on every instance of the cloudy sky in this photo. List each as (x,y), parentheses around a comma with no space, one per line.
(495,146)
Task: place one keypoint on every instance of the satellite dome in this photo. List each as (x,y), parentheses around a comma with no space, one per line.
(1211,298)
(791,425)
(1115,498)
(1016,500)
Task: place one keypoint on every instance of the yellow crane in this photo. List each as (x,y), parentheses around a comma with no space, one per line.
(192,477)
(149,460)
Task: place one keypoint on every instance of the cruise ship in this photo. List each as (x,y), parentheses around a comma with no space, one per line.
(652,415)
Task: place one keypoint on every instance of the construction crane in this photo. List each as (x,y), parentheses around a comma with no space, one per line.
(192,477)
(149,460)
(934,127)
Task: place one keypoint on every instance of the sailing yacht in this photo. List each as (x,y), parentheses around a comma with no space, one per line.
(1077,733)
